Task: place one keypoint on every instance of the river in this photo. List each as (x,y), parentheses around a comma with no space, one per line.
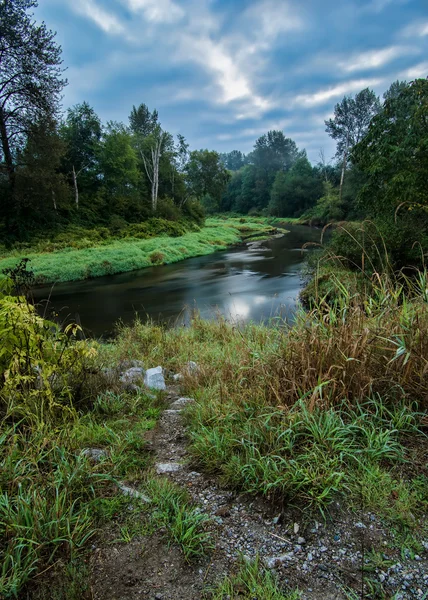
(243,283)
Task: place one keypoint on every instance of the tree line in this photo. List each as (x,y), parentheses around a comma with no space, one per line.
(59,168)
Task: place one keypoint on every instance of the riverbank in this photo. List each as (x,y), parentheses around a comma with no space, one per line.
(302,448)
(129,254)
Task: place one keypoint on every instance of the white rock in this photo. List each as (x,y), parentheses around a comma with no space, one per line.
(167,468)
(154,379)
(178,377)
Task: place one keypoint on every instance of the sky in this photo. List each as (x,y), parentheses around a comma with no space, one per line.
(223,72)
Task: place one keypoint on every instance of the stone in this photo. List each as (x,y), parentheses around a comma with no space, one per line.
(131,377)
(301,540)
(167,468)
(94,454)
(129,491)
(181,402)
(275,561)
(178,377)
(154,379)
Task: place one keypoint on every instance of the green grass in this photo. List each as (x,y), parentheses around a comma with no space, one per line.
(252,582)
(128,254)
(52,498)
(332,408)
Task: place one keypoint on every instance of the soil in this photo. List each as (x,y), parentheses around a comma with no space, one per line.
(323,559)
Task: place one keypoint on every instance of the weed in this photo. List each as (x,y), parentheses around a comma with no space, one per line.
(250,582)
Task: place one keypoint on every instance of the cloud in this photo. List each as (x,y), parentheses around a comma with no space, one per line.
(272,18)
(324,96)
(415,72)
(377,6)
(105,20)
(157,11)
(416,29)
(374,59)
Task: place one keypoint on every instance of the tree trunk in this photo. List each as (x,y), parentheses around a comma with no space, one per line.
(10,167)
(54,200)
(76,189)
(342,176)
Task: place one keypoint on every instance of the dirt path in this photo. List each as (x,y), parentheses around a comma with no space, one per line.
(320,559)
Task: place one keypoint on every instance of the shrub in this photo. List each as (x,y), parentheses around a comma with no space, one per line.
(157,257)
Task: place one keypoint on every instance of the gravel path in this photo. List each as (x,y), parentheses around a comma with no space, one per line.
(322,559)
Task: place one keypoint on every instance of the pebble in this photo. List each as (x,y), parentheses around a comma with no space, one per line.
(168,468)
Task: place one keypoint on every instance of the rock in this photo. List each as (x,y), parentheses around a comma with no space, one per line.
(167,468)
(301,540)
(181,402)
(154,379)
(276,561)
(128,491)
(94,454)
(178,377)
(191,366)
(131,377)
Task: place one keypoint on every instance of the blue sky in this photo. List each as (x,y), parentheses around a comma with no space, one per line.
(223,72)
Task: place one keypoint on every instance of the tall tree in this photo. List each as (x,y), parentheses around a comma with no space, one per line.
(152,149)
(41,189)
(296,190)
(394,153)
(30,78)
(143,122)
(351,120)
(207,178)
(82,134)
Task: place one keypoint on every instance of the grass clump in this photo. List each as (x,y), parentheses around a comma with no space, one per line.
(252,581)
(184,522)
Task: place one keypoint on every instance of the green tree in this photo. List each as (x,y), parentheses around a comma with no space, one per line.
(233,160)
(394,158)
(119,169)
(295,191)
(143,122)
(394,153)
(81,132)
(352,118)
(207,178)
(30,80)
(41,190)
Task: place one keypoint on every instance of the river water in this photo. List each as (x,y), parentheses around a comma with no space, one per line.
(243,283)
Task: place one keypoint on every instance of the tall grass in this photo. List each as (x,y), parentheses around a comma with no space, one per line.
(302,413)
(69,264)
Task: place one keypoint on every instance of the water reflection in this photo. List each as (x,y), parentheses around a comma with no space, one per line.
(242,284)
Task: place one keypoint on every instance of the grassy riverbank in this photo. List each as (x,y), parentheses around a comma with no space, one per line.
(330,413)
(56,261)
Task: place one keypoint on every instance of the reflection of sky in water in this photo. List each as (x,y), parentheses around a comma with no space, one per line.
(242,285)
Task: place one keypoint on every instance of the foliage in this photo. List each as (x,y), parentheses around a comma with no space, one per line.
(394,155)
(30,83)
(207,178)
(295,191)
(352,118)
